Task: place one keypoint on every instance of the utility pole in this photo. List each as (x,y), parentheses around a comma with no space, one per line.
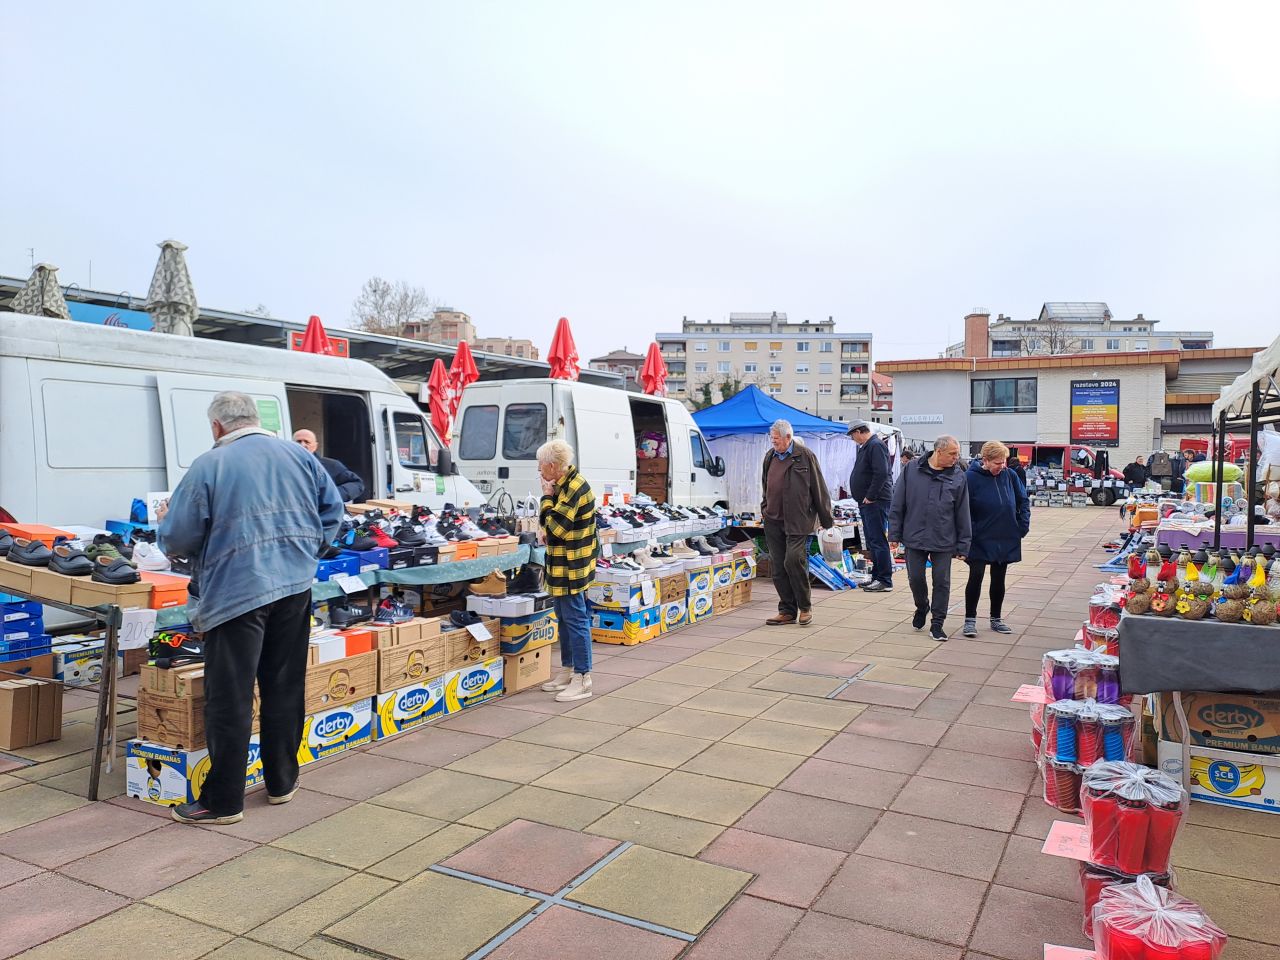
(31,252)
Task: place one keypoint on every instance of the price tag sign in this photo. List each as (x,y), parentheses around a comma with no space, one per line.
(1070,840)
(479,632)
(350,583)
(751,560)
(138,628)
(1030,693)
(606,549)
(154,499)
(1054,952)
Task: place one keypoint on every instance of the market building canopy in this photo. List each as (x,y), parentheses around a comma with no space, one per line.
(1265,372)
(753,411)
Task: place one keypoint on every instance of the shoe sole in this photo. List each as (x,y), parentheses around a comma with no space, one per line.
(554,688)
(283,798)
(779,623)
(214,821)
(561,698)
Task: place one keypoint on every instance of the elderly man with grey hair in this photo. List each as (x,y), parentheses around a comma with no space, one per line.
(252,515)
(930,518)
(795,503)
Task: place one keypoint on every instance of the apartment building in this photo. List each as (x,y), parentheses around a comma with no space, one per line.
(1070,327)
(506,346)
(449,326)
(805,363)
(621,361)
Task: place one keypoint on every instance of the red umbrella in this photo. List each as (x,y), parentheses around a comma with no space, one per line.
(653,375)
(563,355)
(438,400)
(461,373)
(315,340)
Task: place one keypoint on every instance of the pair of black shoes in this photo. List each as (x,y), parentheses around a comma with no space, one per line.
(936,631)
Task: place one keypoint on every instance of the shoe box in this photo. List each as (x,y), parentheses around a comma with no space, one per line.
(89,593)
(167,589)
(618,626)
(35,531)
(14,576)
(447,553)
(722,600)
(722,575)
(741,593)
(379,558)
(337,729)
(530,668)
(407,707)
(701,605)
(516,605)
(465,550)
(626,597)
(386,506)
(344,565)
(402,558)
(473,684)
(30,712)
(620,575)
(700,580)
(530,632)
(342,644)
(168,776)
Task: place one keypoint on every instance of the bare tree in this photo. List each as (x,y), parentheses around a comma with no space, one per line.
(1052,337)
(385,307)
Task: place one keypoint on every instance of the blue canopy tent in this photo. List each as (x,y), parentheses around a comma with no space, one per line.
(738,430)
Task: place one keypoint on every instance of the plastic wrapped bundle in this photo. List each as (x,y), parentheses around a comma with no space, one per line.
(1061,785)
(1104,609)
(1094,879)
(1102,639)
(1142,921)
(1133,814)
(1080,674)
(1085,731)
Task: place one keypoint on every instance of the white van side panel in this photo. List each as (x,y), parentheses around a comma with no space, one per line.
(606,447)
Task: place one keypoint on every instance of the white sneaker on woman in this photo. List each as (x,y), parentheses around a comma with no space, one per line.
(579,688)
(559,681)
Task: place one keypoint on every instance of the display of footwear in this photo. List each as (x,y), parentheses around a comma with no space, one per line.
(197,813)
(579,688)
(114,570)
(393,610)
(343,613)
(469,527)
(643,558)
(405,534)
(999,626)
(682,551)
(29,553)
(492,528)
(559,682)
(104,545)
(464,618)
(68,559)
(627,564)
(6,542)
(937,632)
(382,539)
(148,556)
(359,540)
(970,628)
(701,545)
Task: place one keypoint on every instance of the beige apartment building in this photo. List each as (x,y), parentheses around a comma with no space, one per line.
(1065,327)
(447,326)
(807,364)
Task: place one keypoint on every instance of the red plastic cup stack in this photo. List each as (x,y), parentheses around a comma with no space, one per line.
(1144,921)
(1095,879)
(1133,814)
(1104,608)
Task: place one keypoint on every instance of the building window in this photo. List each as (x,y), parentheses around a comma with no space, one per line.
(1166,344)
(1113,344)
(724,346)
(802,388)
(750,367)
(824,368)
(775,369)
(1007,395)
(802,346)
(1140,345)
(825,347)
(824,388)
(775,389)
(853,393)
(802,368)
(751,346)
(1086,345)
(775,344)
(700,346)
(699,368)
(723,366)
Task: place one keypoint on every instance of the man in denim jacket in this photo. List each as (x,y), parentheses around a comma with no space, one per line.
(252,515)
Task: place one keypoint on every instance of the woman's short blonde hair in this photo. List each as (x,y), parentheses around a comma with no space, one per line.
(994,450)
(557,453)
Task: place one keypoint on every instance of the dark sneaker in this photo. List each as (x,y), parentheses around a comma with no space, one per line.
(999,626)
(29,553)
(284,797)
(970,627)
(918,620)
(114,571)
(393,610)
(197,813)
(407,536)
(6,542)
(937,632)
(344,615)
(463,618)
(359,540)
(878,586)
(69,559)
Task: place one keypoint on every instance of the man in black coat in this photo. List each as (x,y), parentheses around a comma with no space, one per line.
(1135,474)
(871,484)
(348,482)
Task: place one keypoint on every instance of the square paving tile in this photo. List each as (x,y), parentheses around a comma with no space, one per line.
(782,737)
(694,723)
(811,820)
(1015,925)
(1013,745)
(451,918)
(1037,817)
(895,727)
(883,694)
(495,720)
(647,691)
(295,927)
(242,948)
(949,847)
(935,708)
(434,746)
(172,854)
(532,855)
(980,770)
(76,834)
(831,668)
(416,858)
(786,871)
(542,806)
(11,871)
(618,710)
(116,937)
(48,905)
(1223,852)
(733,703)
(959,803)
(512,760)
(359,776)
(874,753)
(663,888)
(359,836)
(602,777)
(892,895)
(720,660)
(828,715)
(652,747)
(571,934)
(1024,867)
(444,794)
(1243,908)
(731,761)
(803,683)
(819,937)
(626,667)
(1014,719)
(264,822)
(926,679)
(31,803)
(233,896)
(700,798)
(661,831)
(565,733)
(751,929)
(953,689)
(845,782)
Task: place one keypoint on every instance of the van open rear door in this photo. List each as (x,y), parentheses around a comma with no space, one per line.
(184,405)
(606,446)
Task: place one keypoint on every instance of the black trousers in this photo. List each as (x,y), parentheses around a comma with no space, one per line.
(789,561)
(268,644)
(973,589)
(916,560)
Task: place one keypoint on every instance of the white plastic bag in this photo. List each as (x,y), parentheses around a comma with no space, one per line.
(831,542)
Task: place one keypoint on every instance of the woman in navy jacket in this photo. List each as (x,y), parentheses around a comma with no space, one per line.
(1001,515)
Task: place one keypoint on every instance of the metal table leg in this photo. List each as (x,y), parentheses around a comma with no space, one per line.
(105,721)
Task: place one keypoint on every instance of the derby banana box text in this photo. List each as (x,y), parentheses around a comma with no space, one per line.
(1226,721)
(615,626)
(722,575)
(622,596)
(337,730)
(531,632)
(701,606)
(160,774)
(341,681)
(409,707)
(675,612)
(1247,780)
(472,685)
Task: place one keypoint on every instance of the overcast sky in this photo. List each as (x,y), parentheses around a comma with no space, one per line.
(890,165)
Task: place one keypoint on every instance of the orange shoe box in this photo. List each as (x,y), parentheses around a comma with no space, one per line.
(35,531)
(467,550)
(359,641)
(167,590)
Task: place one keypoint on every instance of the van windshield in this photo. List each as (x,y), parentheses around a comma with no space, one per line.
(413,447)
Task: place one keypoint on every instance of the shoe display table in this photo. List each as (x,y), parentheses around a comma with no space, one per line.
(452,572)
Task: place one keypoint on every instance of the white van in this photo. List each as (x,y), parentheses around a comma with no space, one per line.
(92,417)
(502,423)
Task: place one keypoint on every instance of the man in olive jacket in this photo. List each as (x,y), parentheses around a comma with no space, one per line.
(795,502)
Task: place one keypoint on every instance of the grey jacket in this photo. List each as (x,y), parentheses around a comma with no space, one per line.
(251,514)
(931,509)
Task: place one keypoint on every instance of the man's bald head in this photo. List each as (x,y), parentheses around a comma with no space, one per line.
(306,438)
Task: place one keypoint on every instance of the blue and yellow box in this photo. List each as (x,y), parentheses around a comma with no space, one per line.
(623,596)
(336,730)
(472,684)
(700,606)
(164,775)
(529,632)
(700,580)
(409,707)
(721,576)
(743,569)
(614,626)
(675,613)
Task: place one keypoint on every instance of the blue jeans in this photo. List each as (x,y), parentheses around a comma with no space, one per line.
(875,518)
(574,627)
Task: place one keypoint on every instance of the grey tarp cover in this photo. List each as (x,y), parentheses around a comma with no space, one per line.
(171,301)
(1159,655)
(41,295)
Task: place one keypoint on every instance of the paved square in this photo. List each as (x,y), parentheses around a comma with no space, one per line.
(532,855)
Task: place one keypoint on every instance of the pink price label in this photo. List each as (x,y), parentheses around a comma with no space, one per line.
(1030,693)
(1054,952)
(1069,840)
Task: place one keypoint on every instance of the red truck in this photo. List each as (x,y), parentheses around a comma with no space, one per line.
(1077,463)
(1237,448)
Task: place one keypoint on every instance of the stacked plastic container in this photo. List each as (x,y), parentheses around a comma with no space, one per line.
(1143,921)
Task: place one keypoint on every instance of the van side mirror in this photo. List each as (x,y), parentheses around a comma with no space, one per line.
(719,467)
(444,462)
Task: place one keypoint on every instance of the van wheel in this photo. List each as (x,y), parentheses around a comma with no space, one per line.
(1103,497)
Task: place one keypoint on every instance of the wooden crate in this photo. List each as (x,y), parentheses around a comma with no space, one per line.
(171,721)
(184,681)
(401,665)
(341,681)
(722,600)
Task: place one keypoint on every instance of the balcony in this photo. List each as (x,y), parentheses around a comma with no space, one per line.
(670,354)
(855,354)
(850,376)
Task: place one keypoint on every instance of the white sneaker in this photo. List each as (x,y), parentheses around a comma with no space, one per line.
(579,688)
(559,682)
(681,551)
(147,556)
(645,559)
